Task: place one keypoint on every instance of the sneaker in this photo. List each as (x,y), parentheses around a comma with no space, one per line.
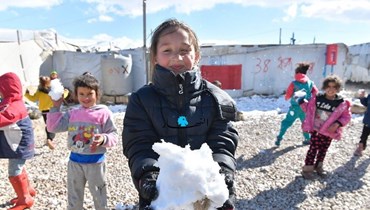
(306,142)
(307,175)
(278,140)
(320,170)
(50,144)
(307,172)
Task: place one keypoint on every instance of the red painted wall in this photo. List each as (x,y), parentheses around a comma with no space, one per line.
(229,75)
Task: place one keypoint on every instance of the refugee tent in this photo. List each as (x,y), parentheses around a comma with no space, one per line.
(24,52)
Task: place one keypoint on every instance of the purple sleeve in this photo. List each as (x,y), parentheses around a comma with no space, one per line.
(110,131)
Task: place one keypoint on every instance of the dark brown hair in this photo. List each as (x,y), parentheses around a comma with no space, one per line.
(334,79)
(87,80)
(44,84)
(44,81)
(302,68)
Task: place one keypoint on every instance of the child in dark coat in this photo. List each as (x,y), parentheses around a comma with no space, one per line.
(179,107)
(366,129)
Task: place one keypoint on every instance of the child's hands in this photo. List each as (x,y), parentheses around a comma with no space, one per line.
(361,93)
(98,140)
(58,103)
(333,127)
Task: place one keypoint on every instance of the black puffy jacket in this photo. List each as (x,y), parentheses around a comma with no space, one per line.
(181,109)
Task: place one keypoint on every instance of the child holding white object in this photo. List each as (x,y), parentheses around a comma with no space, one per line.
(193,166)
(91,130)
(301,83)
(179,107)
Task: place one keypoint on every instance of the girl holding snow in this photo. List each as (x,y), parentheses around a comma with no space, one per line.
(178,107)
(45,103)
(91,130)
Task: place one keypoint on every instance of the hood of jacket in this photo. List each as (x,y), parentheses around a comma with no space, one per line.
(11,88)
(301,77)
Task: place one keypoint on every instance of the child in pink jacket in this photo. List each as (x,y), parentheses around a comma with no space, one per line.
(91,131)
(326,115)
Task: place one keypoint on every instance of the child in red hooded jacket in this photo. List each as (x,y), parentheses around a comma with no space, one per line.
(16,138)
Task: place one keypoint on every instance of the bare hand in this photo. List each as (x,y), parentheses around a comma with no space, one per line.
(333,127)
(361,93)
(98,140)
(58,103)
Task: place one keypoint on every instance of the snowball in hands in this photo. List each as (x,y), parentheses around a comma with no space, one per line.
(187,176)
(56,90)
(300,93)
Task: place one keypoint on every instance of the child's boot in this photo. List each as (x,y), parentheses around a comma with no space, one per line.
(30,188)
(307,172)
(320,169)
(359,149)
(20,186)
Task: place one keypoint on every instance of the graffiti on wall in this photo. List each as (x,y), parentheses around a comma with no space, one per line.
(283,64)
(262,65)
(123,69)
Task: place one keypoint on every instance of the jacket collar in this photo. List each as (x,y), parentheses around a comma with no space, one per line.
(170,84)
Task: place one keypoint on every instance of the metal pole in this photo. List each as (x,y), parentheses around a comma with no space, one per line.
(144,24)
(144,42)
(280,37)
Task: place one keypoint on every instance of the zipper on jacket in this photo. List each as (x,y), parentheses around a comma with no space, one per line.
(181,96)
(181,89)
(181,132)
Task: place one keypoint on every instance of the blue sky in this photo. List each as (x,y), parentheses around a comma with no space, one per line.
(214,21)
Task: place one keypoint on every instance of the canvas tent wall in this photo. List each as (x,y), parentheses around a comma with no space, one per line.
(24,52)
(72,64)
(359,68)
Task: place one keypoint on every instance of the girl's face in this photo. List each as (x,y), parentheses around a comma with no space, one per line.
(86,97)
(176,53)
(331,90)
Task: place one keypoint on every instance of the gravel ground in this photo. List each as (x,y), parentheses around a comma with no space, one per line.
(267,177)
